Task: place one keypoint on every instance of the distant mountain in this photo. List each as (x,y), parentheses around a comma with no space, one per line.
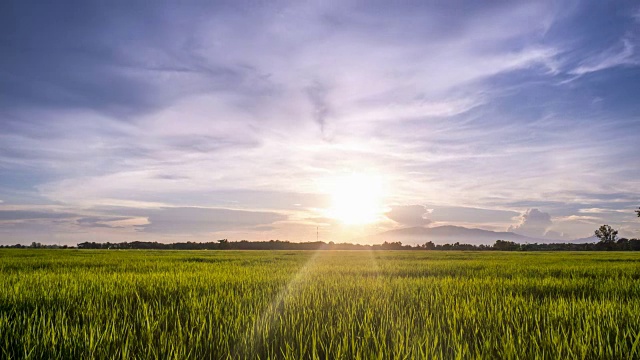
(450,234)
(590,239)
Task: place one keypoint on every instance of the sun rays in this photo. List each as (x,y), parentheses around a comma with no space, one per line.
(309,274)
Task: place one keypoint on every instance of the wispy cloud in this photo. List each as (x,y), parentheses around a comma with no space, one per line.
(194,220)
(601,211)
(619,55)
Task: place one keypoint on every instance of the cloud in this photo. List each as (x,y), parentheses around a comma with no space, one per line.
(263,228)
(636,15)
(317,94)
(601,211)
(533,222)
(581,218)
(101,221)
(192,220)
(451,214)
(320,220)
(11,215)
(555,235)
(612,57)
(409,215)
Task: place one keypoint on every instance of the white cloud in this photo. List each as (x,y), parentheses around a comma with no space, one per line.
(532,222)
(600,211)
(581,218)
(612,57)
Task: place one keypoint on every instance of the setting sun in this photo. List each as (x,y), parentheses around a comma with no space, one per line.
(356,199)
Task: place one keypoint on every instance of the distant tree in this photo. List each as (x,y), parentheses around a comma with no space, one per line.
(622,244)
(224,244)
(429,245)
(506,245)
(606,234)
(634,245)
(638,212)
(397,245)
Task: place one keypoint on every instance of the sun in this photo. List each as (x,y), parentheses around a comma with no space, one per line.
(356,199)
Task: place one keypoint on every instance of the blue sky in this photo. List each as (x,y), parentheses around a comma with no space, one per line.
(160,121)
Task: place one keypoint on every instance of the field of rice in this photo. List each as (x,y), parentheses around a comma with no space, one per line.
(77,304)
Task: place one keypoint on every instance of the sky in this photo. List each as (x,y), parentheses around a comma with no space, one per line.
(259,120)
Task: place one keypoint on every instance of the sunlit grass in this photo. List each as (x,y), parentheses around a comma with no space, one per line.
(326,305)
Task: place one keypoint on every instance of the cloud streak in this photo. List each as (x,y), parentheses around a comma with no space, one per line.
(192,220)
(617,56)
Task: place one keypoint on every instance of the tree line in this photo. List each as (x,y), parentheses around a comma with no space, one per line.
(622,244)
(608,241)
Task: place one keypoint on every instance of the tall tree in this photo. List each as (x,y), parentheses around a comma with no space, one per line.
(606,234)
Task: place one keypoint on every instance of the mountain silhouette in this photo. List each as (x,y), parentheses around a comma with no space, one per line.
(451,234)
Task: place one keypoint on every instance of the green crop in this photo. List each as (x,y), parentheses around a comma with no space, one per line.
(77,304)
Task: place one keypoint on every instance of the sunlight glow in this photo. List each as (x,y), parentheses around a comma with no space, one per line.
(356,199)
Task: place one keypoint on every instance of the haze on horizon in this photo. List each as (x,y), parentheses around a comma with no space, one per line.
(159,121)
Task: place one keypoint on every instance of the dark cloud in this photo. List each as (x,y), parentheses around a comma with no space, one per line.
(112,59)
(171,177)
(51,218)
(9,215)
(317,93)
(409,215)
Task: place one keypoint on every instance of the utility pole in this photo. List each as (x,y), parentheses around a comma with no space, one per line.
(317,236)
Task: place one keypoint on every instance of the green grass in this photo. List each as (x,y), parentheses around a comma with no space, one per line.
(324,305)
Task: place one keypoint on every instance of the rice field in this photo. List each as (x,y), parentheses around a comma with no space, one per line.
(75,304)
